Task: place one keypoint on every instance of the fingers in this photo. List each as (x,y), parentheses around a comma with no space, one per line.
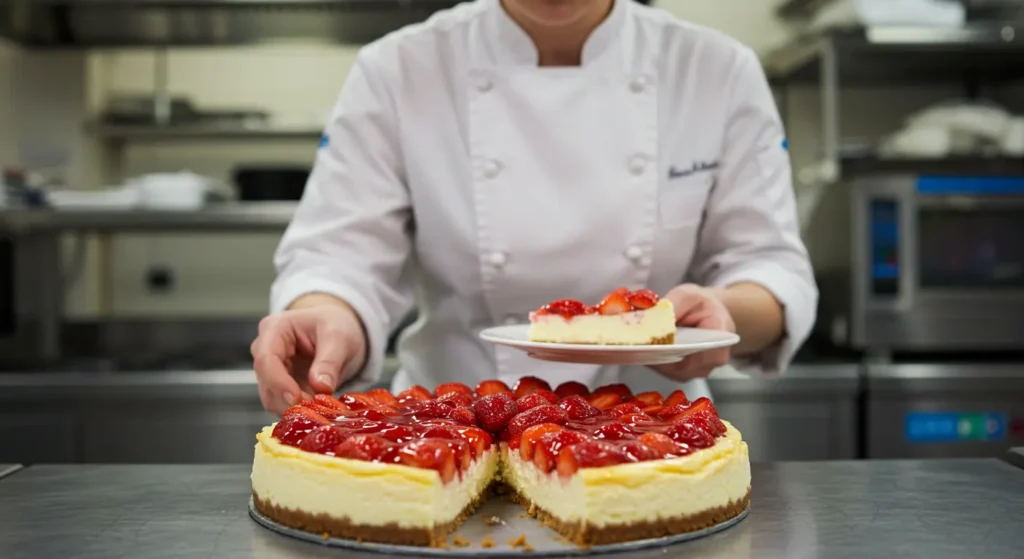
(686,299)
(270,352)
(698,365)
(333,353)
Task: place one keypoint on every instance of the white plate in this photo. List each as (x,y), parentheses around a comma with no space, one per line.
(688,341)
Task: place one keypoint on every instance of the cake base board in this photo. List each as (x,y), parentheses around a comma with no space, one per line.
(513,523)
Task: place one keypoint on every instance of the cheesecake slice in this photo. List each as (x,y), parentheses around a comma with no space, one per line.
(623,317)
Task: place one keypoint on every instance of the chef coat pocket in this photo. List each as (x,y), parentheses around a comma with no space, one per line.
(681,201)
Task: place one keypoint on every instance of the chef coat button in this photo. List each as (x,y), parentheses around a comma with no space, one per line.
(497,259)
(634,253)
(483,84)
(491,169)
(638,84)
(637,164)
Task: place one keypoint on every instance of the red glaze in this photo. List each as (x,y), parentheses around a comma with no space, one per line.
(619,301)
(610,426)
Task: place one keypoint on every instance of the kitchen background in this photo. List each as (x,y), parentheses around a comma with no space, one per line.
(124,326)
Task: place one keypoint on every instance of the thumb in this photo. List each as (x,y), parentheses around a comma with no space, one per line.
(328,363)
(686,299)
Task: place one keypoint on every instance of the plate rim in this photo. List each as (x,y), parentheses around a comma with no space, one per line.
(730,341)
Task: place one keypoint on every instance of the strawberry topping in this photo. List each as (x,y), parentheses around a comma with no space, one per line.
(495,411)
(572,388)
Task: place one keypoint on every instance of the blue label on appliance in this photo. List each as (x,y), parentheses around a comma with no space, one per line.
(945,427)
(970,186)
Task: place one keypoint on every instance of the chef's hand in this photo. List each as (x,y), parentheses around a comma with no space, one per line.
(306,350)
(698,307)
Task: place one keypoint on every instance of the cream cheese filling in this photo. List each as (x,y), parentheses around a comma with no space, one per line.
(642,491)
(363,492)
(634,328)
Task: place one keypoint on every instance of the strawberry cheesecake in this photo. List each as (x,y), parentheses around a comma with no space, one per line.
(599,467)
(623,317)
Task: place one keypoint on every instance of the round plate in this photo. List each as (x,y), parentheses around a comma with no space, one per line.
(500,521)
(688,341)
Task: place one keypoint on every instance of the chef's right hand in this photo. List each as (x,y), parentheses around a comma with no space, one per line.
(307,349)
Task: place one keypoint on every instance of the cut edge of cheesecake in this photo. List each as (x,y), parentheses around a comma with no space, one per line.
(653,326)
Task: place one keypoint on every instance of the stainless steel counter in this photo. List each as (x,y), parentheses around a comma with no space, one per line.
(956,508)
(247,216)
(8,469)
(1016,457)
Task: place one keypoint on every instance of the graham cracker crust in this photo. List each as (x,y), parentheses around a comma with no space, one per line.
(333,527)
(586,535)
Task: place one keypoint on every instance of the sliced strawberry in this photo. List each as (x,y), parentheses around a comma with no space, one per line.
(536,416)
(621,389)
(604,401)
(531,401)
(572,388)
(495,411)
(707,421)
(649,398)
(566,308)
(427,409)
(677,397)
(589,454)
(662,444)
(450,387)
(620,410)
(455,399)
(329,413)
(371,414)
(370,448)
(638,452)
(616,432)
(643,299)
(690,435)
(488,387)
(578,408)
(478,439)
(439,432)
(669,412)
(547,450)
(463,415)
(526,385)
(322,439)
(432,454)
(463,454)
(415,393)
(383,396)
(635,418)
(329,401)
(397,433)
(616,302)
(293,428)
(532,436)
(299,409)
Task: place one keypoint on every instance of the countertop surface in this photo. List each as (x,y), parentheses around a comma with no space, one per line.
(947,508)
(8,469)
(1016,456)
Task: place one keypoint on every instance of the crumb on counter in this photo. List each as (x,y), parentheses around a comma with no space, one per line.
(487,542)
(492,521)
(459,541)
(519,542)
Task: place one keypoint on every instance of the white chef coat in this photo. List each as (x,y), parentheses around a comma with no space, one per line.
(457,174)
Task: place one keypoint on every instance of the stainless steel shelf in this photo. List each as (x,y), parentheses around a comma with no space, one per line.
(116,132)
(989,51)
(162,23)
(248,216)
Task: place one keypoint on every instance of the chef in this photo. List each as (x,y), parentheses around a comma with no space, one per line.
(506,153)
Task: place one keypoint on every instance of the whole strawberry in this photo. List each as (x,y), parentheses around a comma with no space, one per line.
(495,411)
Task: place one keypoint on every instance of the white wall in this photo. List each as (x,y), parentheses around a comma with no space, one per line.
(230,275)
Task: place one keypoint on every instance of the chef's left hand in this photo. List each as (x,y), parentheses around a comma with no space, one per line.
(698,307)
